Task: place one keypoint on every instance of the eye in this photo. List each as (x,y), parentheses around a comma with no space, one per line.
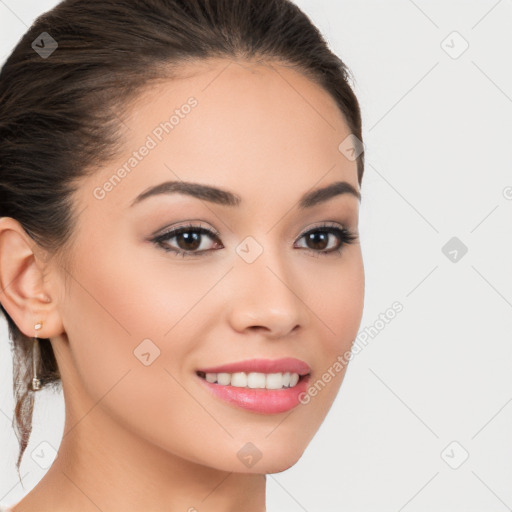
(318,237)
(189,239)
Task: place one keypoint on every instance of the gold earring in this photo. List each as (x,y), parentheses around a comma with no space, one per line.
(36,357)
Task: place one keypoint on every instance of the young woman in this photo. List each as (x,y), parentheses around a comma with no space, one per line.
(179,200)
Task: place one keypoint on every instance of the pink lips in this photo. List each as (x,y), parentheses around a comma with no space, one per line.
(265,401)
(287,364)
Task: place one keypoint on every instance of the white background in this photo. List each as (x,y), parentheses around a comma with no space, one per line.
(438,139)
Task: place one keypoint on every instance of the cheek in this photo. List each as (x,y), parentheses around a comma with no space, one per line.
(105,325)
(136,294)
(113,318)
(346,316)
(335,297)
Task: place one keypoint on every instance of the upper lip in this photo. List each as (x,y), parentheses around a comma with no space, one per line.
(287,364)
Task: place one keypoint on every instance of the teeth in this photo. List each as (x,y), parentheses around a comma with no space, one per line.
(254,380)
(274,381)
(223,378)
(239,380)
(211,377)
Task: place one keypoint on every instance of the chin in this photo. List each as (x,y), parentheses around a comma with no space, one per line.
(282,466)
(280,459)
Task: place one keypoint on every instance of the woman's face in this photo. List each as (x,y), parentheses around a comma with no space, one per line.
(141,322)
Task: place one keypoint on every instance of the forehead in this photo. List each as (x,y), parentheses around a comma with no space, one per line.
(244,125)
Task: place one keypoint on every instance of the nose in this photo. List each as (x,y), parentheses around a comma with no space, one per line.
(266,297)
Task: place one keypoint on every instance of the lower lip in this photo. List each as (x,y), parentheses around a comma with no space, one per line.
(266,401)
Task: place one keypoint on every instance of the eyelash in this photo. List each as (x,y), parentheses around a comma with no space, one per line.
(345,236)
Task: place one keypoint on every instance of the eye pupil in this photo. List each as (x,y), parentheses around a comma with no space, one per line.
(192,240)
(324,236)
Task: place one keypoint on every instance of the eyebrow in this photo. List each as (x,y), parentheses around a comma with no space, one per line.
(226,198)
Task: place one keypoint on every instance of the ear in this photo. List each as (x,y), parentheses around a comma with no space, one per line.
(24,294)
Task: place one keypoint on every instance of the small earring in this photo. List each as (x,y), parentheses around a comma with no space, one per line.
(36,356)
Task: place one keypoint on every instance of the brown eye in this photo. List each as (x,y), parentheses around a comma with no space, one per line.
(188,240)
(317,239)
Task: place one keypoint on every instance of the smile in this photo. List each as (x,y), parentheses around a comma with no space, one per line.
(253,380)
(259,385)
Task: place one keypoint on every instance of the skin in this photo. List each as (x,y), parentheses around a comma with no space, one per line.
(151,437)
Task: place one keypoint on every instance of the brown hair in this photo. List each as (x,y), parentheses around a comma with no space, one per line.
(58,119)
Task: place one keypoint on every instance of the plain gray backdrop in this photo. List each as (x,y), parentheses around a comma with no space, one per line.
(423,418)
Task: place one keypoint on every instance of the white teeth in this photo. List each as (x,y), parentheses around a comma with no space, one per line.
(224,378)
(274,380)
(254,380)
(239,380)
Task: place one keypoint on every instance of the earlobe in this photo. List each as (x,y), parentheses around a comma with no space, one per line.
(23,292)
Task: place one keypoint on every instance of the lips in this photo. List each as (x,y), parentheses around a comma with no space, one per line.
(263,401)
(287,364)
